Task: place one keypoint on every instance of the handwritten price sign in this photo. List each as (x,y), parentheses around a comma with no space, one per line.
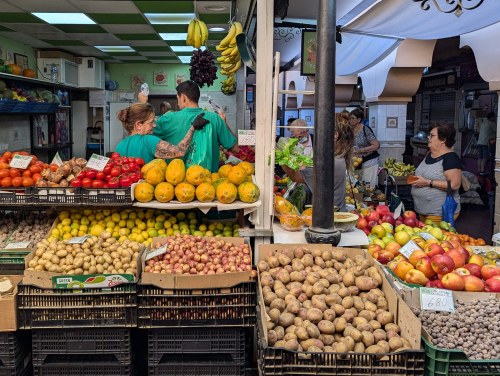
(409,248)
(246,137)
(97,162)
(20,161)
(436,300)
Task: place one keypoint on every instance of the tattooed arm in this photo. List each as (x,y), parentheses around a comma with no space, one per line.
(166,150)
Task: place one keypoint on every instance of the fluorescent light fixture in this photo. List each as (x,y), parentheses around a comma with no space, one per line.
(173,36)
(115,48)
(217,29)
(216,8)
(185,48)
(169,18)
(185,59)
(64,18)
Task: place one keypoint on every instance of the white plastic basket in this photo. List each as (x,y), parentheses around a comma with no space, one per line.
(496,239)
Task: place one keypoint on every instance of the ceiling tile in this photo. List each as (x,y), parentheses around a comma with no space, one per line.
(146,43)
(204,6)
(148,6)
(138,36)
(32,28)
(9,6)
(80,28)
(165,52)
(19,18)
(2,28)
(170,28)
(65,42)
(121,18)
(119,54)
(126,29)
(173,57)
(103,6)
(132,59)
(150,48)
(164,61)
(215,18)
(44,6)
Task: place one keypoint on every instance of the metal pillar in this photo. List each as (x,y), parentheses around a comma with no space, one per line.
(322,230)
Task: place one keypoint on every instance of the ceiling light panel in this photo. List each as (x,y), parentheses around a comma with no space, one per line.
(115,48)
(169,18)
(184,48)
(173,36)
(65,18)
(185,59)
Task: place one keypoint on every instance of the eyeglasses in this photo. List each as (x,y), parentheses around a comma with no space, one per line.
(431,135)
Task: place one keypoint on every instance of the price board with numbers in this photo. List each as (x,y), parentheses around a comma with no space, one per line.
(246,137)
(97,162)
(436,300)
(20,161)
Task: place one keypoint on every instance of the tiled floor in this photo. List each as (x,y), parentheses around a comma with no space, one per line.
(476,221)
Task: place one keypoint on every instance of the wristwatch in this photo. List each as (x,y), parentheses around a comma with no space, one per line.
(430,184)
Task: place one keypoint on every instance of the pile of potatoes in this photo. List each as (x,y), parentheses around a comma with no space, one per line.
(101,255)
(324,301)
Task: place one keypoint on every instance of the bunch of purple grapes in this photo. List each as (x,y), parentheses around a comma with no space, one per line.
(203,70)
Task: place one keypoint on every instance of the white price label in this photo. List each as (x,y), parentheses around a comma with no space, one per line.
(426,235)
(20,161)
(156,252)
(409,248)
(398,210)
(57,160)
(246,137)
(78,240)
(97,162)
(17,245)
(436,299)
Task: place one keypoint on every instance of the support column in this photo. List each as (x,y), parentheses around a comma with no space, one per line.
(322,229)
(496,216)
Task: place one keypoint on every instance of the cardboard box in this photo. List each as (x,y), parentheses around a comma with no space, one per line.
(191,282)
(50,280)
(51,54)
(403,316)
(8,306)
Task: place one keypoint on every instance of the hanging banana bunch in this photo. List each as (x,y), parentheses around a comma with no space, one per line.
(230,60)
(197,33)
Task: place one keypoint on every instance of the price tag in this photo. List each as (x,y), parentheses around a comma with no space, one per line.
(426,235)
(246,137)
(436,299)
(156,252)
(78,240)
(57,160)
(409,248)
(97,162)
(17,245)
(398,210)
(20,161)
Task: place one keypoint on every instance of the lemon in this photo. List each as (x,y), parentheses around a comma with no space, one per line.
(141,226)
(124,231)
(122,223)
(149,214)
(136,230)
(209,233)
(66,229)
(115,234)
(96,230)
(167,224)
(84,221)
(152,232)
(161,232)
(63,215)
(202,228)
(110,224)
(67,236)
(170,232)
(115,217)
(123,215)
(81,233)
(99,216)
(87,212)
(150,223)
(139,238)
(130,224)
(55,233)
(140,214)
(84,228)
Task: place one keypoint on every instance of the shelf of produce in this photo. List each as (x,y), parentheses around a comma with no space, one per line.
(203,206)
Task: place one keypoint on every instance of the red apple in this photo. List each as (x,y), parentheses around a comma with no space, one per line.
(488,271)
(402,268)
(461,271)
(372,216)
(410,214)
(457,257)
(420,224)
(438,284)
(492,284)
(388,219)
(393,247)
(452,281)
(416,255)
(372,248)
(398,222)
(442,264)
(372,224)
(416,277)
(412,222)
(473,269)
(362,223)
(366,230)
(430,284)
(424,265)
(382,210)
(473,283)
(433,249)
(446,245)
(385,256)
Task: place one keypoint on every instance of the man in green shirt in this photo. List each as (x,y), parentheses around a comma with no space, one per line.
(204,148)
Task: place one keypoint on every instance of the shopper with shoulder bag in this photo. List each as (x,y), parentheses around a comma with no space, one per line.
(366,146)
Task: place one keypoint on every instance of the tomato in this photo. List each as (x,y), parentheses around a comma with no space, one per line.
(17,181)
(113,183)
(115,155)
(4,166)
(125,181)
(6,182)
(100,175)
(7,155)
(53,167)
(139,161)
(36,177)
(28,182)
(26,174)
(86,183)
(97,184)
(90,174)
(107,169)
(134,166)
(4,173)
(34,159)
(35,169)
(14,173)
(76,183)
(4,160)
(116,171)
(126,168)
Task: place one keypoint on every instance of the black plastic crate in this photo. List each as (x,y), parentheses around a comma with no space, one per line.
(14,346)
(106,196)
(83,369)
(56,196)
(214,345)
(115,344)
(233,306)
(195,369)
(22,368)
(15,196)
(66,308)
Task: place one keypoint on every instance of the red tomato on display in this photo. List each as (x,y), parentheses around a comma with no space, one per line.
(139,161)
(100,175)
(97,184)
(115,155)
(90,174)
(86,183)
(113,183)
(76,183)
(107,169)
(125,181)
(116,171)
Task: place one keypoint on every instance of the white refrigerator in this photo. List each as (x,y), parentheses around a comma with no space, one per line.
(113,128)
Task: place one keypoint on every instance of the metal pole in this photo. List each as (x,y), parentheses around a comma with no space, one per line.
(322,230)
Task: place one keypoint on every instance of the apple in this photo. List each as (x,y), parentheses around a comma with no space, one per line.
(465,254)
(362,223)
(461,271)
(442,264)
(402,237)
(438,284)
(402,268)
(389,228)
(473,283)
(492,284)
(424,265)
(378,231)
(410,214)
(372,248)
(473,269)
(457,257)
(372,216)
(398,222)
(437,233)
(416,255)
(488,271)
(372,224)
(388,219)
(412,222)
(433,249)
(420,242)
(392,265)
(420,224)
(393,247)
(416,277)
(446,245)
(452,281)
(385,256)
(476,259)
(366,230)
(382,210)
(430,283)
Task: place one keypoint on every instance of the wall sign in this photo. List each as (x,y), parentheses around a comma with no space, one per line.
(308,53)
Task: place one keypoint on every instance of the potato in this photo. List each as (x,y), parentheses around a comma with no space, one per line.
(353,290)
(308,291)
(367,338)
(365,283)
(290,336)
(314,315)
(365,327)
(332,299)
(269,298)
(339,255)
(374,273)
(348,316)
(348,279)
(301,333)
(358,303)
(347,302)
(286,319)
(283,276)
(303,313)
(382,303)
(339,309)
(290,329)
(354,333)
(395,343)
(340,324)
(318,288)
(312,330)
(369,315)
(297,276)
(315,349)
(272,338)
(307,260)
(307,304)
(274,314)
(384,345)
(369,306)
(334,289)
(319,303)
(326,327)
(311,342)
(379,335)
(349,342)
(392,326)
(374,349)
(385,318)
(280,332)
(327,339)
(359,347)
(281,293)
(279,304)
(329,314)
(292,344)
(293,307)
(328,349)
(343,292)
(357,321)
(265,280)
(280,344)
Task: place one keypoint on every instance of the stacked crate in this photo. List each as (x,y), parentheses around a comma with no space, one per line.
(198,332)
(15,354)
(79,332)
